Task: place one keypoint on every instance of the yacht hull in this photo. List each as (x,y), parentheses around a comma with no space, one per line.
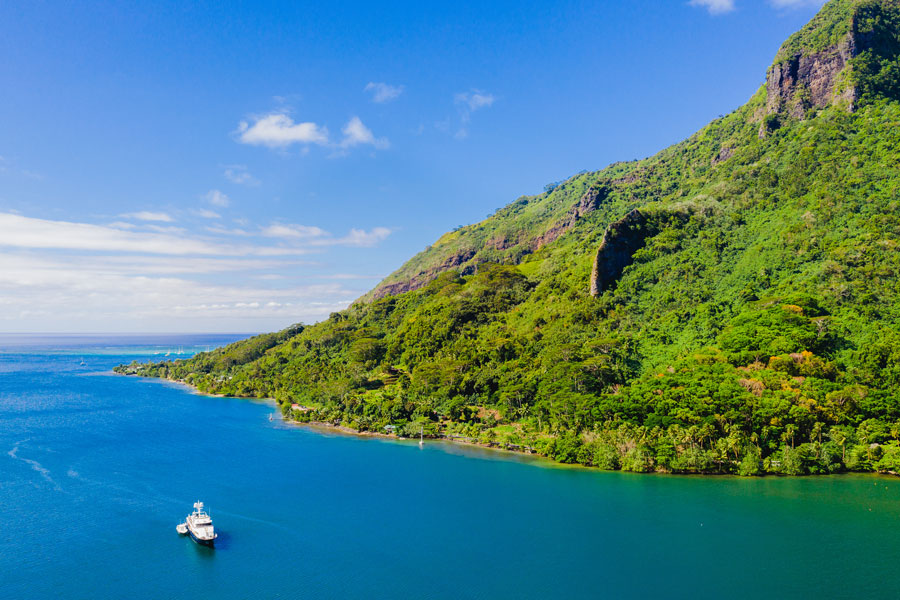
(202,541)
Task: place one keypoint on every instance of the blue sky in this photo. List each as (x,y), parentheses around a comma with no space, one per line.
(239,167)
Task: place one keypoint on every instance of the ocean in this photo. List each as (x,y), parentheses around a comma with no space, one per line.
(97,469)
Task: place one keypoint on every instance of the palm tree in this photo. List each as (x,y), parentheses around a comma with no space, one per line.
(790,430)
(815,436)
(839,436)
(734,440)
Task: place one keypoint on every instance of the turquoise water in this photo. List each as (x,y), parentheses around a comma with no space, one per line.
(96,470)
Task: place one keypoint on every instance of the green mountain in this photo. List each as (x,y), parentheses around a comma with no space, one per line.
(731,304)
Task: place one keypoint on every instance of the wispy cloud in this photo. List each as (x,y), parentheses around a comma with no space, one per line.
(356,133)
(383,92)
(474,100)
(715,7)
(279,230)
(315,236)
(25,232)
(467,103)
(166,229)
(217,198)
(278,130)
(63,275)
(207,214)
(240,175)
(146,215)
(362,238)
(91,293)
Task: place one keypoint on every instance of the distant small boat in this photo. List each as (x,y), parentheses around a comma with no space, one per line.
(199,526)
(270,417)
(82,362)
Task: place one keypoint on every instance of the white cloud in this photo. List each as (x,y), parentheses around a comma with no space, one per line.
(362,238)
(467,103)
(316,236)
(715,7)
(25,232)
(218,229)
(122,225)
(278,130)
(217,198)
(383,92)
(240,175)
(146,215)
(66,276)
(165,229)
(163,265)
(356,133)
(279,230)
(474,100)
(82,293)
(207,214)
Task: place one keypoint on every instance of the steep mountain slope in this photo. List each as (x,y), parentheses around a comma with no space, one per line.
(730,304)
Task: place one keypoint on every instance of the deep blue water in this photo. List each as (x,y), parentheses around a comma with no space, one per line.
(97,469)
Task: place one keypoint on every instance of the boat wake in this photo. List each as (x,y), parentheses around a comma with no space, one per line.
(253,519)
(35,465)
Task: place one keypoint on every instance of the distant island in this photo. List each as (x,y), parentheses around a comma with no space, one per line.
(729,305)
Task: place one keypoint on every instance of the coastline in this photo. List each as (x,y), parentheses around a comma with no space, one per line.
(330,428)
(324,428)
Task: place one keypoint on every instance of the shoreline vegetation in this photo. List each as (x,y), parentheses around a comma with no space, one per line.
(292,419)
(590,452)
(728,305)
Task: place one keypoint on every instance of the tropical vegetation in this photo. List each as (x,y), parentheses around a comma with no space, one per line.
(757,330)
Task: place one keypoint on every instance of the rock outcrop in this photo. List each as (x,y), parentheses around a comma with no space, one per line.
(454,261)
(802,82)
(588,203)
(620,241)
(465,261)
(815,67)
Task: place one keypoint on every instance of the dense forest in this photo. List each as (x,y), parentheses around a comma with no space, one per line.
(745,310)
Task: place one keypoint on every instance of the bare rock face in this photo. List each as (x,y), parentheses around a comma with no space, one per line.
(622,239)
(801,82)
(802,79)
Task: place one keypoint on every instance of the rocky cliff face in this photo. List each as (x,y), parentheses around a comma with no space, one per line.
(622,239)
(815,67)
(801,82)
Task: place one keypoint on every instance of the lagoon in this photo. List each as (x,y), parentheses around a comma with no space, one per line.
(97,469)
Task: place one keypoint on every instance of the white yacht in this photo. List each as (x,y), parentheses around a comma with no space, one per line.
(199,526)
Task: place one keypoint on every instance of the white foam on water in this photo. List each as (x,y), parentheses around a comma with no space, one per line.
(44,472)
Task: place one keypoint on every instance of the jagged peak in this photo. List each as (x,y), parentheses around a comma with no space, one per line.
(818,66)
